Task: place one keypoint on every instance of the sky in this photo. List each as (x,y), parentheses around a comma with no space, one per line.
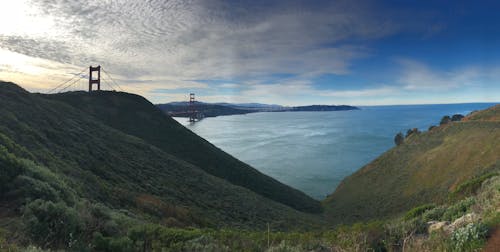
(355,52)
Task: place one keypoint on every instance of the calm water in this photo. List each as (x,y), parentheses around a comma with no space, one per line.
(314,151)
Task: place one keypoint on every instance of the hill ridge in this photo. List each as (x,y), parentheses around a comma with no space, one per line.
(105,165)
(168,135)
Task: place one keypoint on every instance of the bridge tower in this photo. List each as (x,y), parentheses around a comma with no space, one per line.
(93,81)
(192,109)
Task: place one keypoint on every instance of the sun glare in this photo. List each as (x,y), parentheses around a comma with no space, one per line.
(19,17)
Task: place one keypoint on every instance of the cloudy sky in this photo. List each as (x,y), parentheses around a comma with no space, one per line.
(284,52)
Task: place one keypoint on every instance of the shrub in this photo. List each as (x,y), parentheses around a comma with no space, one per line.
(417,211)
(204,243)
(51,224)
(471,186)
(399,139)
(457,118)
(29,188)
(470,237)
(412,131)
(283,247)
(459,209)
(10,167)
(102,243)
(445,120)
(434,214)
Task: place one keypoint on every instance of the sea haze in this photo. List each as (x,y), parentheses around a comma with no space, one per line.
(314,151)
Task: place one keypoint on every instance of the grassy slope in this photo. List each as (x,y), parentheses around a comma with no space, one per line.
(105,165)
(422,170)
(135,116)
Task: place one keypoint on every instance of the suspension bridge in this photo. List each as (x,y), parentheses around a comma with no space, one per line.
(93,80)
(83,81)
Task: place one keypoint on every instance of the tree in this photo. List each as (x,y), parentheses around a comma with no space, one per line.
(412,131)
(445,120)
(457,118)
(399,139)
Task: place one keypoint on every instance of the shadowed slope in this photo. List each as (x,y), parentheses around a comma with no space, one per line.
(136,116)
(91,161)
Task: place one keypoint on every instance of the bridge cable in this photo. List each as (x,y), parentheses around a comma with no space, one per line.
(64,82)
(113,80)
(71,84)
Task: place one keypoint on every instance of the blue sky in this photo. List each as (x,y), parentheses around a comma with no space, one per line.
(280,52)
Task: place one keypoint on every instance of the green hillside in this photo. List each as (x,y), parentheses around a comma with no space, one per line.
(57,159)
(424,169)
(109,171)
(136,116)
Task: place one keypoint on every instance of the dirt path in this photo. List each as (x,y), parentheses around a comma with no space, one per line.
(493,244)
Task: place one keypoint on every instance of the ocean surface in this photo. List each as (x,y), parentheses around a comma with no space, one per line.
(314,151)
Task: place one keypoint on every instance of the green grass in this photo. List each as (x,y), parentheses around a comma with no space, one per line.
(422,170)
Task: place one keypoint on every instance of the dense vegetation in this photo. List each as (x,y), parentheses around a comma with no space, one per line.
(59,163)
(109,171)
(135,116)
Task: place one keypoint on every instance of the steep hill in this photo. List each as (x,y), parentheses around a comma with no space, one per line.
(422,170)
(58,153)
(135,116)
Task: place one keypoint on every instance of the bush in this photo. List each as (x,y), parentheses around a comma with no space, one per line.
(102,243)
(410,132)
(29,188)
(445,120)
(459,209)
(417,211)
(470,237)
(283,247)
(471,186)
(52,224)
(435,214)
(204,243)
(10,167)
(457,118)
(399,139)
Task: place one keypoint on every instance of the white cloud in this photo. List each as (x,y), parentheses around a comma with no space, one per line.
(418,76)
(188,40)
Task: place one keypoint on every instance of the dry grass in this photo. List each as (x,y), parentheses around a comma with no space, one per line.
(422,170)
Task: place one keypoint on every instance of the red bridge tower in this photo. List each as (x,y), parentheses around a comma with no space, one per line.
(95,81)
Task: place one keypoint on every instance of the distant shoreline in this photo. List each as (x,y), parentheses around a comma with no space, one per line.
(202,110)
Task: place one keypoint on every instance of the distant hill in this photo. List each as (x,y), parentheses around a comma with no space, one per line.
(181,109)
(424,169)
(323,108)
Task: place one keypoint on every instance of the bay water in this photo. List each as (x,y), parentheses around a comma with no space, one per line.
(314,151)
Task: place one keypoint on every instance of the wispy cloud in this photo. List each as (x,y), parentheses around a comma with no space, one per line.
(185,40)
(168,45)
(418,76)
